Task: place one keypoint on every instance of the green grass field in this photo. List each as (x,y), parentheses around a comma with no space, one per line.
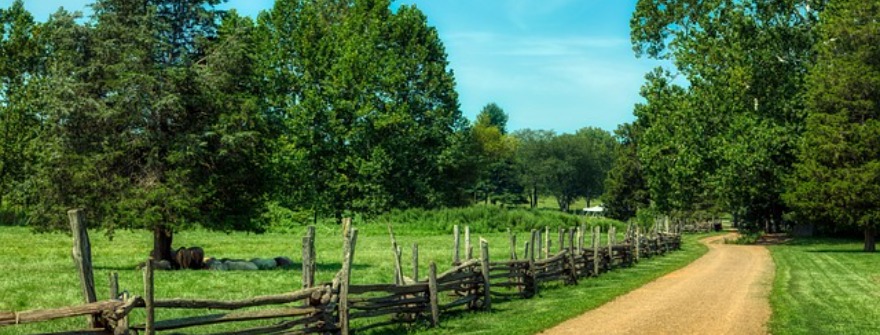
(37,272)
(825,286)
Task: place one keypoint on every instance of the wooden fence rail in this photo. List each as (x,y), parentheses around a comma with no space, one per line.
(471,284)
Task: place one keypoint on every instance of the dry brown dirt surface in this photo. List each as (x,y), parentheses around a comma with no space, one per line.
(724,292)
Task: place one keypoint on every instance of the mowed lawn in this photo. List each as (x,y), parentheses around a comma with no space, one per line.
(825,286)
(36,272)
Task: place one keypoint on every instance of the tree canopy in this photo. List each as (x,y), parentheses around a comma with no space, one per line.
(837,178)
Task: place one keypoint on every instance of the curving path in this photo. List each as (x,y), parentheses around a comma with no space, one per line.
(724,292)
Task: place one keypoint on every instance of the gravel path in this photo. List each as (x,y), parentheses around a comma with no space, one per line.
(724,292)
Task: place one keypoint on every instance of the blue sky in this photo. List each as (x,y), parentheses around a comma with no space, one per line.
(550,64)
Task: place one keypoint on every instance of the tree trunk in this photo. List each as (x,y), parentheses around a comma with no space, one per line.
(162,238)
(870,239)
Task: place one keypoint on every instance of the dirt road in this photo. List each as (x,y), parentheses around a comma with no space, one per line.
(724,292)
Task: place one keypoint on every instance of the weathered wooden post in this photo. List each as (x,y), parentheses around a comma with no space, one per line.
(468,249)
(484,266)
(512,244)
(561,239)
(546,242)
(611,231)
(114,286)
(82,258)
(395,250)
(122,324)
(540,244)
(456,258)
(348,257)
(580,238)
(308,254)
(532,244)
(432,294)
(149,308)
(638,242)
(596,231)
(415,261)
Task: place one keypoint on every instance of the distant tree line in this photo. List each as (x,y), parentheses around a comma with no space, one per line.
(778,123)
(166,114)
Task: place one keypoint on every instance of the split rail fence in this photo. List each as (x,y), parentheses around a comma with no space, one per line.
(472,283)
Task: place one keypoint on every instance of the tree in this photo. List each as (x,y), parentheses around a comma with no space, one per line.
(497,181)
(368,106)
(493,115)
(836,180)
(20,63)
(625,188)
(745,63)
(531,153)
(578,164)
(139,127)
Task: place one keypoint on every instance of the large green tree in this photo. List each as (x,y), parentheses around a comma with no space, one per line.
(625,188)
(531,152)
(744,62)
(148,121)
(368,106)
(21,66)
(837,180)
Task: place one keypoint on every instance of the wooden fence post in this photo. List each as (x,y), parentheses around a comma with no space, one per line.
(561,239)
(532,244)
(540,244)
(526,254)
(468,249)
(484,266)
(82,257)
(580,238)
(546,242)
(122,324)
(415,261)
(348,257)
(114,286)
(149,309)
(308,258)
(432,292)
(512,244)
(456,257)
(638,242)
(596,231)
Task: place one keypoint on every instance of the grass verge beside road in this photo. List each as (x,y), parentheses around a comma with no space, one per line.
(37,272)
(556,304)
(825,286)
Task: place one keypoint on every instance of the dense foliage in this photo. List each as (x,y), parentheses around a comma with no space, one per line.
(768,114)
(838,176)
(166,115)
